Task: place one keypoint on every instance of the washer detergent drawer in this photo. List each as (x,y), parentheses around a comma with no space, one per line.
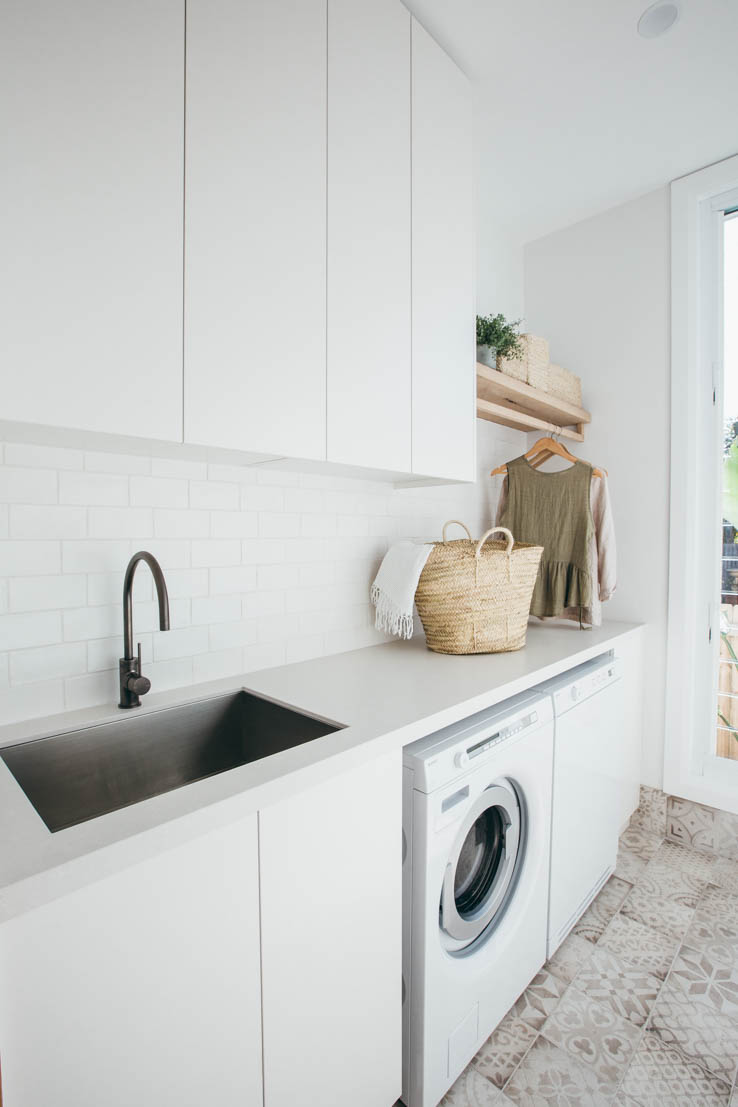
(586,806)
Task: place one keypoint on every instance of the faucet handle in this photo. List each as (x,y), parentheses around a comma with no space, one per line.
(137,683)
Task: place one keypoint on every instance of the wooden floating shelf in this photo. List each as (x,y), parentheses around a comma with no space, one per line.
(512,403)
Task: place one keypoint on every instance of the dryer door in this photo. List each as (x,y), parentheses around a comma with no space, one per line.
(482,864)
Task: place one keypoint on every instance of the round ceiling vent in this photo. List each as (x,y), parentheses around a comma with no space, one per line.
(657,19)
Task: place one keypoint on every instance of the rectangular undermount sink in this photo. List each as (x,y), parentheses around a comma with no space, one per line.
(72,777)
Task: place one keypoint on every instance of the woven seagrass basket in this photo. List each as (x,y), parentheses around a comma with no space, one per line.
(474,597)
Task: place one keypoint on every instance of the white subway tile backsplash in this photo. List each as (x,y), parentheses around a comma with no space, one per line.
(173,467)
(215,609)
(28,701)
(36,521)
(42,457)
(33,628)
(218,664)
(84,623)
(48,662)
(258,498)
(234,524)
(269,577)
(97,556)
(262,565)
(120,522)
(187,582)
(224,636)
(216,551)
(28,486)
(213,494)
(47,593)
(117,463)
(86,691)
(104,653)
(275,524)
(158,492)
(93,488)
(177,522)
(183,642)
(29,558)
(229,580)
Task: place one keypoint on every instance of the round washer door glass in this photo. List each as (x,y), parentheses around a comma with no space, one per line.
(482,864)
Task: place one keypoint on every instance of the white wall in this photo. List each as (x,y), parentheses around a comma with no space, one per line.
(263,567)
(600,290)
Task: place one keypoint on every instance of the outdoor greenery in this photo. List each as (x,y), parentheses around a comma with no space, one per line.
(495,331)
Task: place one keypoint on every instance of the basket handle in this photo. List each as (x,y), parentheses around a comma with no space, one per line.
(495,530)
(458,524)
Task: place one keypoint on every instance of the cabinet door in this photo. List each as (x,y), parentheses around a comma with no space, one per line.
(91,113)
(443,332)
(255,225)
(331,902)
(141,989)
(369,233)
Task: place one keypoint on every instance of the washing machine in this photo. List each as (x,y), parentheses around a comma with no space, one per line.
(476,828)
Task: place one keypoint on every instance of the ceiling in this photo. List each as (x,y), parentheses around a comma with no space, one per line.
(575,112)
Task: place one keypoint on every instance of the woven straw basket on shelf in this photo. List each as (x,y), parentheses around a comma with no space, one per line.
(474,597)
(533,358)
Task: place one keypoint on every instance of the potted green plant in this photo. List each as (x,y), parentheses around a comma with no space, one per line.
(496,338)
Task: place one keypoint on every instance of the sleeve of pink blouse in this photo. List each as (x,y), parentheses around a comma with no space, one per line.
(604,525)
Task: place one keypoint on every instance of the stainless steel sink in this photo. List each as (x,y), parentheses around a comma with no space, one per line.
(72,777)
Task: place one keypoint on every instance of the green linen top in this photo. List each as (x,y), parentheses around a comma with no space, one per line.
(553,510)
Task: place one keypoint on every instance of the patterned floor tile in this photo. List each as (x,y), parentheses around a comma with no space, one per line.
(641,946)
(660,914)
(504,1049)
(594,1034)
(701,1033)
(594,920)
(548,1075)
(718,939)
(686,860)
(705,980)
(726,834)
(471,1090)
(630,992)
(660,1076)
(717,903)
(640,842)
(725,874)
(667,882)
(571,956)
(629,865)
(651,812)
(539,999)
(690,824)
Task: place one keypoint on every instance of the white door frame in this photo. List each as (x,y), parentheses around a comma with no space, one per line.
(691,769)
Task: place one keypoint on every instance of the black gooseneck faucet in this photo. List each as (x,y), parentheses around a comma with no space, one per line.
(133,684)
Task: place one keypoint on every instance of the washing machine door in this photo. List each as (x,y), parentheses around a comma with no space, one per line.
(482,864)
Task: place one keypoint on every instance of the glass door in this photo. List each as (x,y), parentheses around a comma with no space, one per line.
(726,743)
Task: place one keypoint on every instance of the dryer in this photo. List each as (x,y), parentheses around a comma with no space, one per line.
(476,830)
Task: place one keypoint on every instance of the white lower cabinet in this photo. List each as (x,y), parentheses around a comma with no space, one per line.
(331,904)
(154,986)
(141,989)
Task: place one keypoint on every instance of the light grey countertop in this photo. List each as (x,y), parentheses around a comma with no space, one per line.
(385,696)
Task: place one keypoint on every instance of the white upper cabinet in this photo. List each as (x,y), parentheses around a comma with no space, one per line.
(91,114)
(369,389)
(255,226)
(443,377)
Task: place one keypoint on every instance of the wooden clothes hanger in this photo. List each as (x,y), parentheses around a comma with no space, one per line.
(544,449)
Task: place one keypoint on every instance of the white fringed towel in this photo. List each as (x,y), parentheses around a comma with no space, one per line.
(393,591)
